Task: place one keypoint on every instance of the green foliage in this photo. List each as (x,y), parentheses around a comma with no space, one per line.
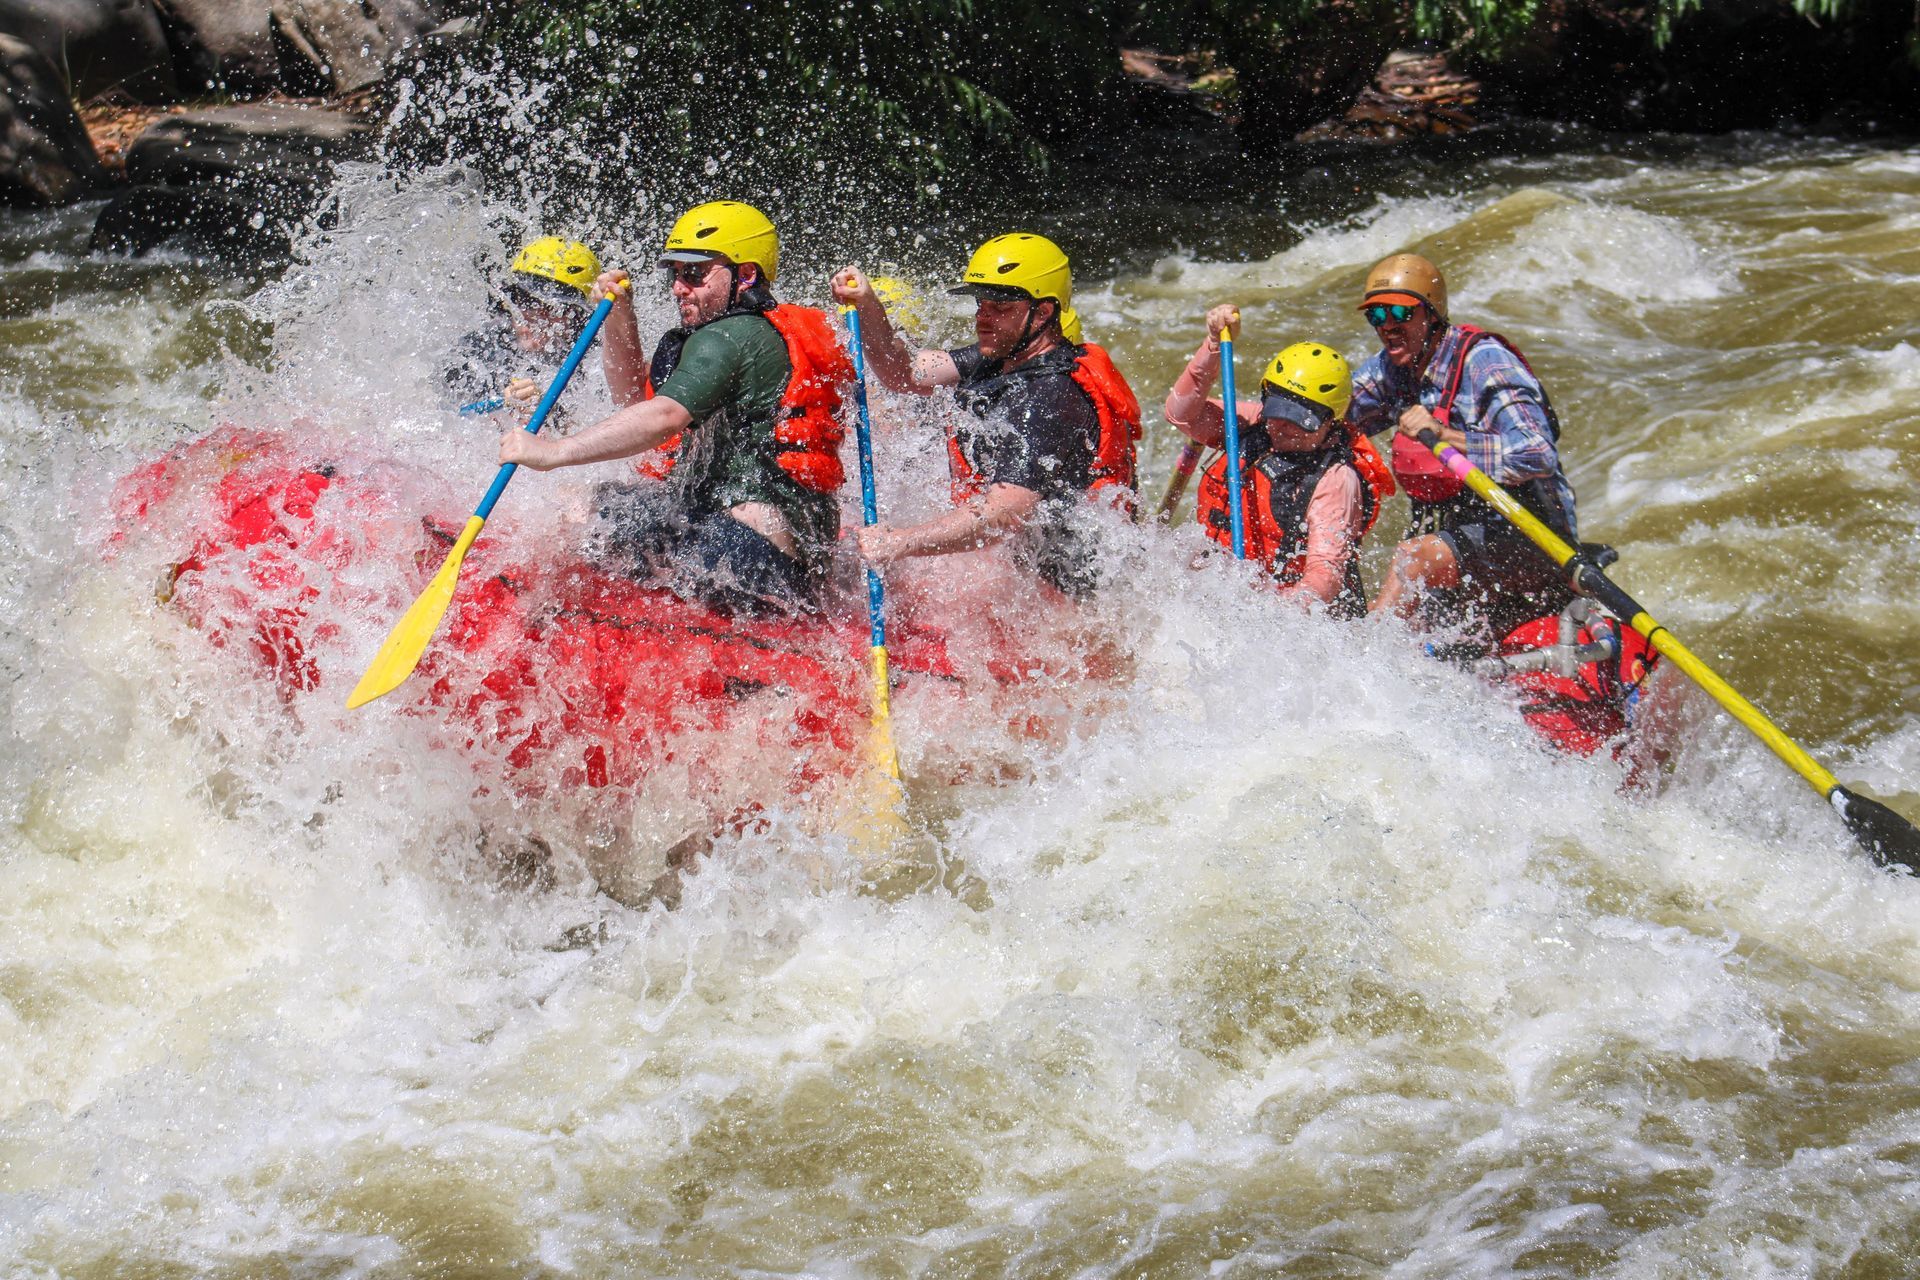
(912,90)
(1483,27)
(870,105)
(1668,12)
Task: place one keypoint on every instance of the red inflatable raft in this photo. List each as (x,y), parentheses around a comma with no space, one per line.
(567,675)
(1580,674)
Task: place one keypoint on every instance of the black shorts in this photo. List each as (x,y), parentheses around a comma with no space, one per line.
(1505,579)
(641,530)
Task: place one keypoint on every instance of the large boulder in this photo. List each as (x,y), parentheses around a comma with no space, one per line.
(220,223)
(223,46)
(46,157)
(345,47)
(237,178)
(98,46)
(257,146)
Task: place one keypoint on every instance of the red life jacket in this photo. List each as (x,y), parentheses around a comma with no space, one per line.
(1114,454)
(1275,515)
(807,428)
(1423,476)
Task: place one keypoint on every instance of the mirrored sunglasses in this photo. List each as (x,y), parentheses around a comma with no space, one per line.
(1381,312)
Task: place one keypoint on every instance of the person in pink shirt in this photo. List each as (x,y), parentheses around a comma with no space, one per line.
(1310,487)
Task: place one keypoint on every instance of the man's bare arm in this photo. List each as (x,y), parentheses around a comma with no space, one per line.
(623,354)
(635,429)
(893,362)
(1004,508)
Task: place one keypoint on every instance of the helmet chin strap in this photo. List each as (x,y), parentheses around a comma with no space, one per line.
(1436,327)
(1027,335)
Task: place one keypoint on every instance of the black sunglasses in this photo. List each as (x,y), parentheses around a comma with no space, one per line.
(691,274)
(1381,312)
(534,308)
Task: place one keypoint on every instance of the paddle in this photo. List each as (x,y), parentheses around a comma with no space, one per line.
(1890,838)
(1232,407)
(400,653)
(883,821)
(483,406)
(1183,469)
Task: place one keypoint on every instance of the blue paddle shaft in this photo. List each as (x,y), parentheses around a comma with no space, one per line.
(554,388)
(1232,406)
(483,406)
(876,593)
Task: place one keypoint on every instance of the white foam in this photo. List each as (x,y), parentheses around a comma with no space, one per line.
(1291,946)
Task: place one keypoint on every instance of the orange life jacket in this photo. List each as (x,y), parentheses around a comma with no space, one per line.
(1275,517)
(807,428)
(1118,410)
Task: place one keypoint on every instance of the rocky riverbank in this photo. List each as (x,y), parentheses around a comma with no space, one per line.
(214,121)
(220,121)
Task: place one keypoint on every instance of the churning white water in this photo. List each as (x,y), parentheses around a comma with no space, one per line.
(1287,952)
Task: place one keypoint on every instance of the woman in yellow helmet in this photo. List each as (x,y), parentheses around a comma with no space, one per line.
(538,311)
(1313,489)
(1047,419)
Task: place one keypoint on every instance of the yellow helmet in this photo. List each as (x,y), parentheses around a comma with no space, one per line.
(564,262)
(903,302)
(1070,326)
(1407,278)
(1022,261)
(1310,372)
(727,229)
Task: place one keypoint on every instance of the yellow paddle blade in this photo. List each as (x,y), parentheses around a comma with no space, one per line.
(400,652)
(880,818)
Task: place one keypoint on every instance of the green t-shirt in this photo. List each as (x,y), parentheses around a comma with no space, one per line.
(731,375)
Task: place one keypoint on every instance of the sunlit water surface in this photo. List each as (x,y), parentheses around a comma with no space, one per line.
(1288,953)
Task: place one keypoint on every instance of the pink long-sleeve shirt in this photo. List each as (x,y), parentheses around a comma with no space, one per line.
(1336,514)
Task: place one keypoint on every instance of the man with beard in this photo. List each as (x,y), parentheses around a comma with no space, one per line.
(737,412)
(1045,422)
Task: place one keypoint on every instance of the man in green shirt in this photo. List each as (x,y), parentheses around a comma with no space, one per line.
(736,411)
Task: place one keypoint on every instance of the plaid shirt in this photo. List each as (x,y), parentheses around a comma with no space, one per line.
(1500,406)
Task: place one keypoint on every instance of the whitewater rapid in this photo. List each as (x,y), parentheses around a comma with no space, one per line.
(1297,955)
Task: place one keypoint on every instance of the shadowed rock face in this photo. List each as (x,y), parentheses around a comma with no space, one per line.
(346,47)
(157,51)
(1412,95)
(98,46)
(223,46)
(230,178)
(46,157)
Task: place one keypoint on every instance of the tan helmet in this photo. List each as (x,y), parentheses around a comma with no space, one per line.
(1407,278)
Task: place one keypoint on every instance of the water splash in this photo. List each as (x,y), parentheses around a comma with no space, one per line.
(1288,949)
